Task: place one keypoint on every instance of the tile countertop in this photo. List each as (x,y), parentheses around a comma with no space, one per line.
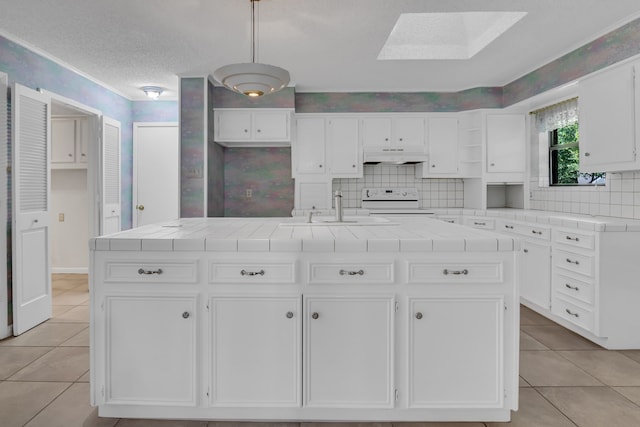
(414,234)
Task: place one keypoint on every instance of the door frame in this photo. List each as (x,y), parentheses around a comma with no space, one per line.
(134,183)
(5,329)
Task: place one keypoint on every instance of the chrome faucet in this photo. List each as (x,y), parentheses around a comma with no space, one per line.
(337,197)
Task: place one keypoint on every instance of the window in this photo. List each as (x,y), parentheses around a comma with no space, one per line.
(564,158)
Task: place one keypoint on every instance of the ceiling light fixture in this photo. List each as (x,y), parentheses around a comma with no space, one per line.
(152,92)
(252,79)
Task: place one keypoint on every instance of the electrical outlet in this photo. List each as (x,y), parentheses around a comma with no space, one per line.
(248,193)
(60,217)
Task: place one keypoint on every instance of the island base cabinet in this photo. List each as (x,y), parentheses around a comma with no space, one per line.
(151,350)
(535,274)
(255,351)
(349,352)
(455,353)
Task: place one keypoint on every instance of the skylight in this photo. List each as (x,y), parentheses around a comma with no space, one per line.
(458,35)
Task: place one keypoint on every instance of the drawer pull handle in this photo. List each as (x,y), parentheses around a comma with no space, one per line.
(418,315)
(455,272)
(576,262)
(186,315)
(575,239)
(510,227)
(568,286)
(536,232)
(479,223)
(143,271)
(289,314)
(526,251)
(571,313)
(252,273)
(351,273)
(315,315)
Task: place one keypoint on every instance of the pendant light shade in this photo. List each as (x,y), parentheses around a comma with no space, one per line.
(252,78)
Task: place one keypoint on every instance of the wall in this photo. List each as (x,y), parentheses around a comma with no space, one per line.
(215,163)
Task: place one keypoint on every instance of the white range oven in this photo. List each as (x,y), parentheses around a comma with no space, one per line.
(393,201)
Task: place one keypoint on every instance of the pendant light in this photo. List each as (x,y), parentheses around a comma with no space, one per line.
(252,79)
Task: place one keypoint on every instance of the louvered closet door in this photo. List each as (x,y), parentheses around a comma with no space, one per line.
(31,194)
(110,176)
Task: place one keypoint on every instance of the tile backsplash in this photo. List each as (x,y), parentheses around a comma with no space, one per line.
(434,193)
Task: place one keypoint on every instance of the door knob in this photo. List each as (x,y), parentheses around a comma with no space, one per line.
(140,207)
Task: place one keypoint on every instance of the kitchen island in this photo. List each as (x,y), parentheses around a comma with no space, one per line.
(411,319)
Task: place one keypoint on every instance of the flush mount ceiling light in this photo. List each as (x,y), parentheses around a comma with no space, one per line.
(152,92)
(252,79)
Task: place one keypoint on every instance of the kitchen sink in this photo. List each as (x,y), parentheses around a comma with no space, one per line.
(331,221)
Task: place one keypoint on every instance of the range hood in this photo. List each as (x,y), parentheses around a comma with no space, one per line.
(393,156)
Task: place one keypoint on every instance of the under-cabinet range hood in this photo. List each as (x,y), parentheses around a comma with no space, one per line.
(393,156)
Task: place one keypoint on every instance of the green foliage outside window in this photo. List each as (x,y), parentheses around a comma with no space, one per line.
(564,153)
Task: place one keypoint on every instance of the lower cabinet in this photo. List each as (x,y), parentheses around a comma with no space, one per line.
(348,347)
(535,273)
(255,351)
(456,352)
(150,350)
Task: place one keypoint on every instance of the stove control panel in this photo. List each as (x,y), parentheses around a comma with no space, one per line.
(389,194)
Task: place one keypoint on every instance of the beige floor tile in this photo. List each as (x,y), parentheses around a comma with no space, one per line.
(47,334)
(85,378)
(60,364)
(62,284)
(12,359)
(530,317)
(523,383)
(79,340)
(527,342)
(78,313)
(633,354)
(535,411)
(631,393)
(610,367)
(593,406)
(21,401)
(70,409)
(71,298)
(125,422)
(558,338)
(58,310)
(547,368)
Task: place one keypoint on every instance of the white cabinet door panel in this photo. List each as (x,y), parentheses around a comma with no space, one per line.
(343,147)
(309,146)
(506,142)
(535,273)
(443,145)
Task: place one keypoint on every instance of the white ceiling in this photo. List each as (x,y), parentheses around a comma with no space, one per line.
(327,45)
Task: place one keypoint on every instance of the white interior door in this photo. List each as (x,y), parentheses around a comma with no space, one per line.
(111,197)
(31,243)
(156,180)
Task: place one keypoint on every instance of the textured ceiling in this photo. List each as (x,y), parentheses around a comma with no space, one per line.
(327,45)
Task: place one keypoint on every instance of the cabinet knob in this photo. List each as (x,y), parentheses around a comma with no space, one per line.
(140,207)
(289,314)
(186,315)
(418,315)
(492,164)
(587,154)
(246,130)
(433,166)
(526,251)
(386,139)
(319,166)
(400,139)
(353,166)
(315,315)
(259,130)
(70,155)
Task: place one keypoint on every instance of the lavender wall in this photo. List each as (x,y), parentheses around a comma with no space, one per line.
(192,146)
(215,163)
(154,111)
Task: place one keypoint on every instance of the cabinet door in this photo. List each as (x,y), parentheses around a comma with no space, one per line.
(455,352)
(607,121)
(150,350)
(409,132)
(271,126)
(63,140)
(309,146)
(343,148)
(233,125)
(255,351)
(349,352)
(535,273)
(82,140)
(505,143)
(376,132)
(443,145)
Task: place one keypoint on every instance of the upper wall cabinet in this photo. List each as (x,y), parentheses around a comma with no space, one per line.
(252,128)
(393,132)
(608,120)
(308,149)
(506,141)
(442,142)
(69,138)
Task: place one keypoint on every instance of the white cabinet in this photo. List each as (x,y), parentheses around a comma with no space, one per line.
(440,332)
(69,138)
(442,142)
(308,148)
(398,132)
(506,140)
(252,127)
(150,344)
(343,147)
(255,351)
(608,119)
(535,273)
(349,352)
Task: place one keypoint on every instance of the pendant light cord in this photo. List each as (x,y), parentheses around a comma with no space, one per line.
(254,35)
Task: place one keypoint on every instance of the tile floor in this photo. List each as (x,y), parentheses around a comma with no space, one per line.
(565,379)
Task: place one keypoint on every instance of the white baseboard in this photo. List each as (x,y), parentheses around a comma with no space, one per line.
(70,270)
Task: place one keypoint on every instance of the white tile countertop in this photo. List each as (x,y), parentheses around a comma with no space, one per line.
(414,234)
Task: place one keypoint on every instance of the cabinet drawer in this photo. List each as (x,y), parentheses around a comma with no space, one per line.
(328,273)
(247,272)
(449,219)
(483,223)
(577,263)
(573,288)
(438,272)
(574,314)
(526,230)
(151,271)
(578,240)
